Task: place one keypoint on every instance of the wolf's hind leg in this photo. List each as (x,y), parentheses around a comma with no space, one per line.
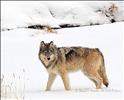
(95,77)
(65,79)
(50,81)
(97,80)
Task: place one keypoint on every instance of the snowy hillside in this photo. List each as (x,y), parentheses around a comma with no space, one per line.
(22,74)
(23,13)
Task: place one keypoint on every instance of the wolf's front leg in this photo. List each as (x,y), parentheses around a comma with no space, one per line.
(65,79)
(50,81)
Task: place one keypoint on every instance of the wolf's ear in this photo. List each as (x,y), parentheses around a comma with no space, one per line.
(42,43)
(51,43)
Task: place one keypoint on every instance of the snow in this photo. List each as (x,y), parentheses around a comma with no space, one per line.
(21,67)
(24,13)
(75,13)
(22,74)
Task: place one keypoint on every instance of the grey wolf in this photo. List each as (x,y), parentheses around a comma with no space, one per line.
(62,60)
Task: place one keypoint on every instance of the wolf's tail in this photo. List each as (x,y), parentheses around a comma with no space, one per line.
(102,71)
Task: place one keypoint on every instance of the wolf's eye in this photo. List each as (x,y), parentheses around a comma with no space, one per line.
(50,50)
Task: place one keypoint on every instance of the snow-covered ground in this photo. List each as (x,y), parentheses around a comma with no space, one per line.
(22,74)
(23,71)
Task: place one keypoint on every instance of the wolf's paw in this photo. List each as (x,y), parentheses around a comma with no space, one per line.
(68,89)
(47,90)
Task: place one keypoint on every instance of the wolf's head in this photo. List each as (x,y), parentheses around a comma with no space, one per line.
(47,53)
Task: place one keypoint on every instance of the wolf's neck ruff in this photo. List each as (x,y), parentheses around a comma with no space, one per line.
(51,64)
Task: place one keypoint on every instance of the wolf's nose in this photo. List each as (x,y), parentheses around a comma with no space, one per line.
(48,58)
